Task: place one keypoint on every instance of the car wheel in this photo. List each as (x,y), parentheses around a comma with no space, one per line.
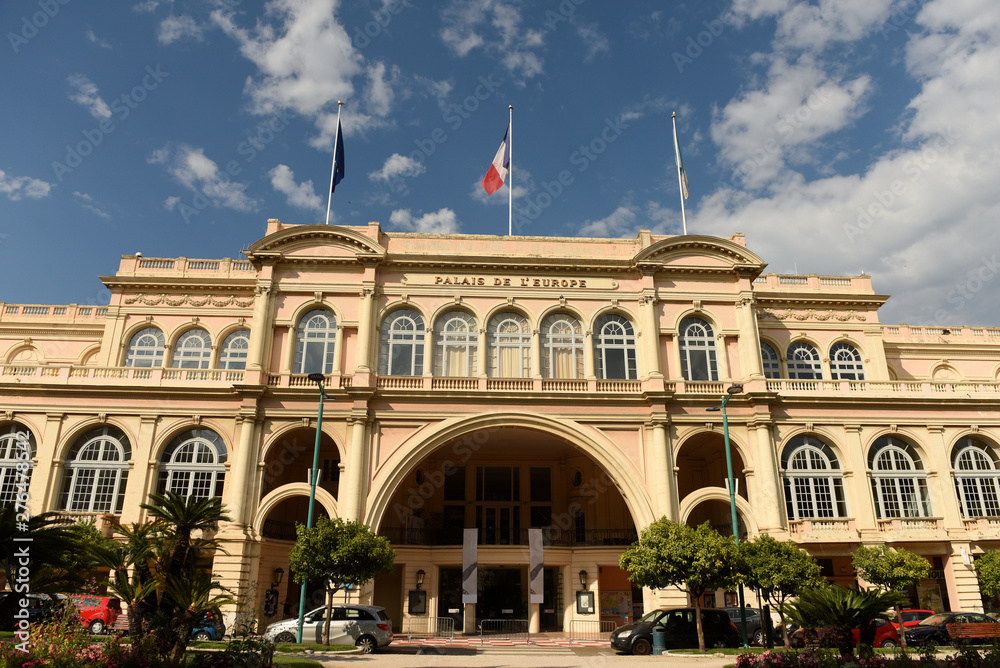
(889,642)
(202,635)
(758,638)
(718,643)
(97,627)
(285,636)
(641,647)
(366,644)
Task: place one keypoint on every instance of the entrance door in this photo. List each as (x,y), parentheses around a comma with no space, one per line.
(502,594)
(499,525)
(552,605)
(450,596)
(389,595)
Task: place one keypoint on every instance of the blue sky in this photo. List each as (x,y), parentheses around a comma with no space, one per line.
(840,136)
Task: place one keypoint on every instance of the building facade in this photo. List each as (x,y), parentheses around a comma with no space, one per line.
(505,384)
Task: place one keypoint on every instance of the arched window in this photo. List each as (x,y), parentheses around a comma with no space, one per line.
(698,350)
(614,348)
(562,346)
(401,352)
(193,464)
(845,362)
(315,340)
(977,478)
(510,346)
(17,447)
(456,337)
(97,471)
(234,350)
(193,350)
(145,349)
(814,484)
(899,483)
(804,362)
(770,361)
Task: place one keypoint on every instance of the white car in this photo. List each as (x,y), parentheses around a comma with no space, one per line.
(366,626)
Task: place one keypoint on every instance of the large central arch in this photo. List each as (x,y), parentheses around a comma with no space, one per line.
(393,472)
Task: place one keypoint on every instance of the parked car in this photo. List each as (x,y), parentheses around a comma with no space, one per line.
(98,613)
(934,629)
(211,627)
(681,630)
(41,607)
(755,626)
(912,617)
(885,635)
(366,626)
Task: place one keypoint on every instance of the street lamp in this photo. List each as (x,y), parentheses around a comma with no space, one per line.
(730,392)
(317,378)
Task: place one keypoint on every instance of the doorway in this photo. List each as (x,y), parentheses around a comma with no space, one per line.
(450,596)
(502,594)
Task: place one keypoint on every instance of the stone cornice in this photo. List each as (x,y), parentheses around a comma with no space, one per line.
(179,284)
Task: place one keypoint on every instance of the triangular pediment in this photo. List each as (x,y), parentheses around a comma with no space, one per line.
(316,242)
(691,251)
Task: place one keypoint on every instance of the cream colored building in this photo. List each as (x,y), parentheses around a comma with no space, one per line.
(506,383)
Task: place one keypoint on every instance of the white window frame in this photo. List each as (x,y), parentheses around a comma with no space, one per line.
(977,478)
(456,330)
(316,329)
(770,361)
(402,336)
(846,362)
(235,349)
(612,333)
(562,332)
(804,362)
(896,474)
(695,343)
(806,485)
(146,348)
(509,330)
(192,350)
(10,459)
(111,459)
(194,460)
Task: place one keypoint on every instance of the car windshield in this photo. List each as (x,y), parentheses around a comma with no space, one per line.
(935,620)
(651,617)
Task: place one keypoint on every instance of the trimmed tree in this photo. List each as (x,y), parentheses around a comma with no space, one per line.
(778,570)
(891,570)
(693,560)
(988,570)
(339,553)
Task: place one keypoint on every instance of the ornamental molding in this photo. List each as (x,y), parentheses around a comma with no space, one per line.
(155,300)
(812,314)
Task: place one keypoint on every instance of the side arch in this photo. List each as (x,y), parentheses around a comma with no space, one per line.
(269,502)
(691,501)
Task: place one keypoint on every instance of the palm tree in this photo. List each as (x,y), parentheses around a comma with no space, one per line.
(180,517)
(840,608)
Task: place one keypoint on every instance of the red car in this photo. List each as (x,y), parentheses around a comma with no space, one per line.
(885,636)
(913,617)
(99,613)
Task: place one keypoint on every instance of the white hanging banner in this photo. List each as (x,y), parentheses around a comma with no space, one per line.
(470,567)
(536,566)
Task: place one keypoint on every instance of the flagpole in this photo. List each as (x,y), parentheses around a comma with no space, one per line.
(680,185)
(510,174)
(333,169)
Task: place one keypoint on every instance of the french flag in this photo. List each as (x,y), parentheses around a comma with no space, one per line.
(501,164)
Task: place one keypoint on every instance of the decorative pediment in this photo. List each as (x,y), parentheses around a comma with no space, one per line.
(316,243)
(690,252)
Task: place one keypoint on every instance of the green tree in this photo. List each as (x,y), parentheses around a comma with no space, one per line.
(778,570)
(841,609)
(988,570)
(693,560)
(891,569)
(338,553)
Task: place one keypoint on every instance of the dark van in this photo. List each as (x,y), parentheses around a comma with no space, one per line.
(680,630)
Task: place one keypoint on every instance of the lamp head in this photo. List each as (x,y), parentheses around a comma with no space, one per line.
(713,409)
(583,579)
(734,389)
(278,574)
(317,377)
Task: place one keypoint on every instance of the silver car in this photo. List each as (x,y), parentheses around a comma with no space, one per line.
(366,626)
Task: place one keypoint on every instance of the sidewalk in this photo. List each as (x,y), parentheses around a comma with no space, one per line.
(535,639)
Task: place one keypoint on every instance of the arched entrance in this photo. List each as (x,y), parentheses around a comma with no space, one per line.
(701,463)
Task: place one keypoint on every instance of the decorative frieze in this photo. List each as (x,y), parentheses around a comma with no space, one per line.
(156,300)
(811,314)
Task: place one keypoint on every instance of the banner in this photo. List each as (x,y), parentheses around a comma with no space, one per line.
(536,569)
(470,569)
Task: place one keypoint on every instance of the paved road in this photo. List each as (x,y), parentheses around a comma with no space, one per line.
(517,657)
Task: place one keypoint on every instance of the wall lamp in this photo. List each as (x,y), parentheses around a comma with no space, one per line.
(278,574)
(420,578)
(583,579)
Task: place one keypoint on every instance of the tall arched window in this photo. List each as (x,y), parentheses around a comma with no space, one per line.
(456,338)
(614,347)
(315,341)
(17,447)
(899,483)
(770,361)
(977,477)
(401,350)
(235,348)
(145,349)
(562,346)
(97,472)
(804,362)
(814,484)
(193,465)
(698,350)
(510,346)
(193,350)
(846,363)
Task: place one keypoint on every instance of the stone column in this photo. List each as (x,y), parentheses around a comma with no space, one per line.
(941,485)
(876,365)
(536,353)
(588,356)
(650,335)
(722,357)
(661,480)
(484,352)
(768,486)
(260,327)
(534,617)
(46,478)
(351,504)
(243,464)
(428,351)
(338,351)
(470,619)
(145,463)
(365,317)
(749,342)
(857,487)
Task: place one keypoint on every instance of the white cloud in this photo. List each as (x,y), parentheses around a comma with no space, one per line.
(648,105)
(174,28)
(94,39)
(302,195)
(494,26)
(149,6)
(85,93)
(96,211)
(444,221)
(617,224)
(84,196)
(200,174)
(16,187)
(595,41)
(396,166)
(171,203)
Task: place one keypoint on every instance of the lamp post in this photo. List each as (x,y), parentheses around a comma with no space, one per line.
(730,391)
(317,378)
